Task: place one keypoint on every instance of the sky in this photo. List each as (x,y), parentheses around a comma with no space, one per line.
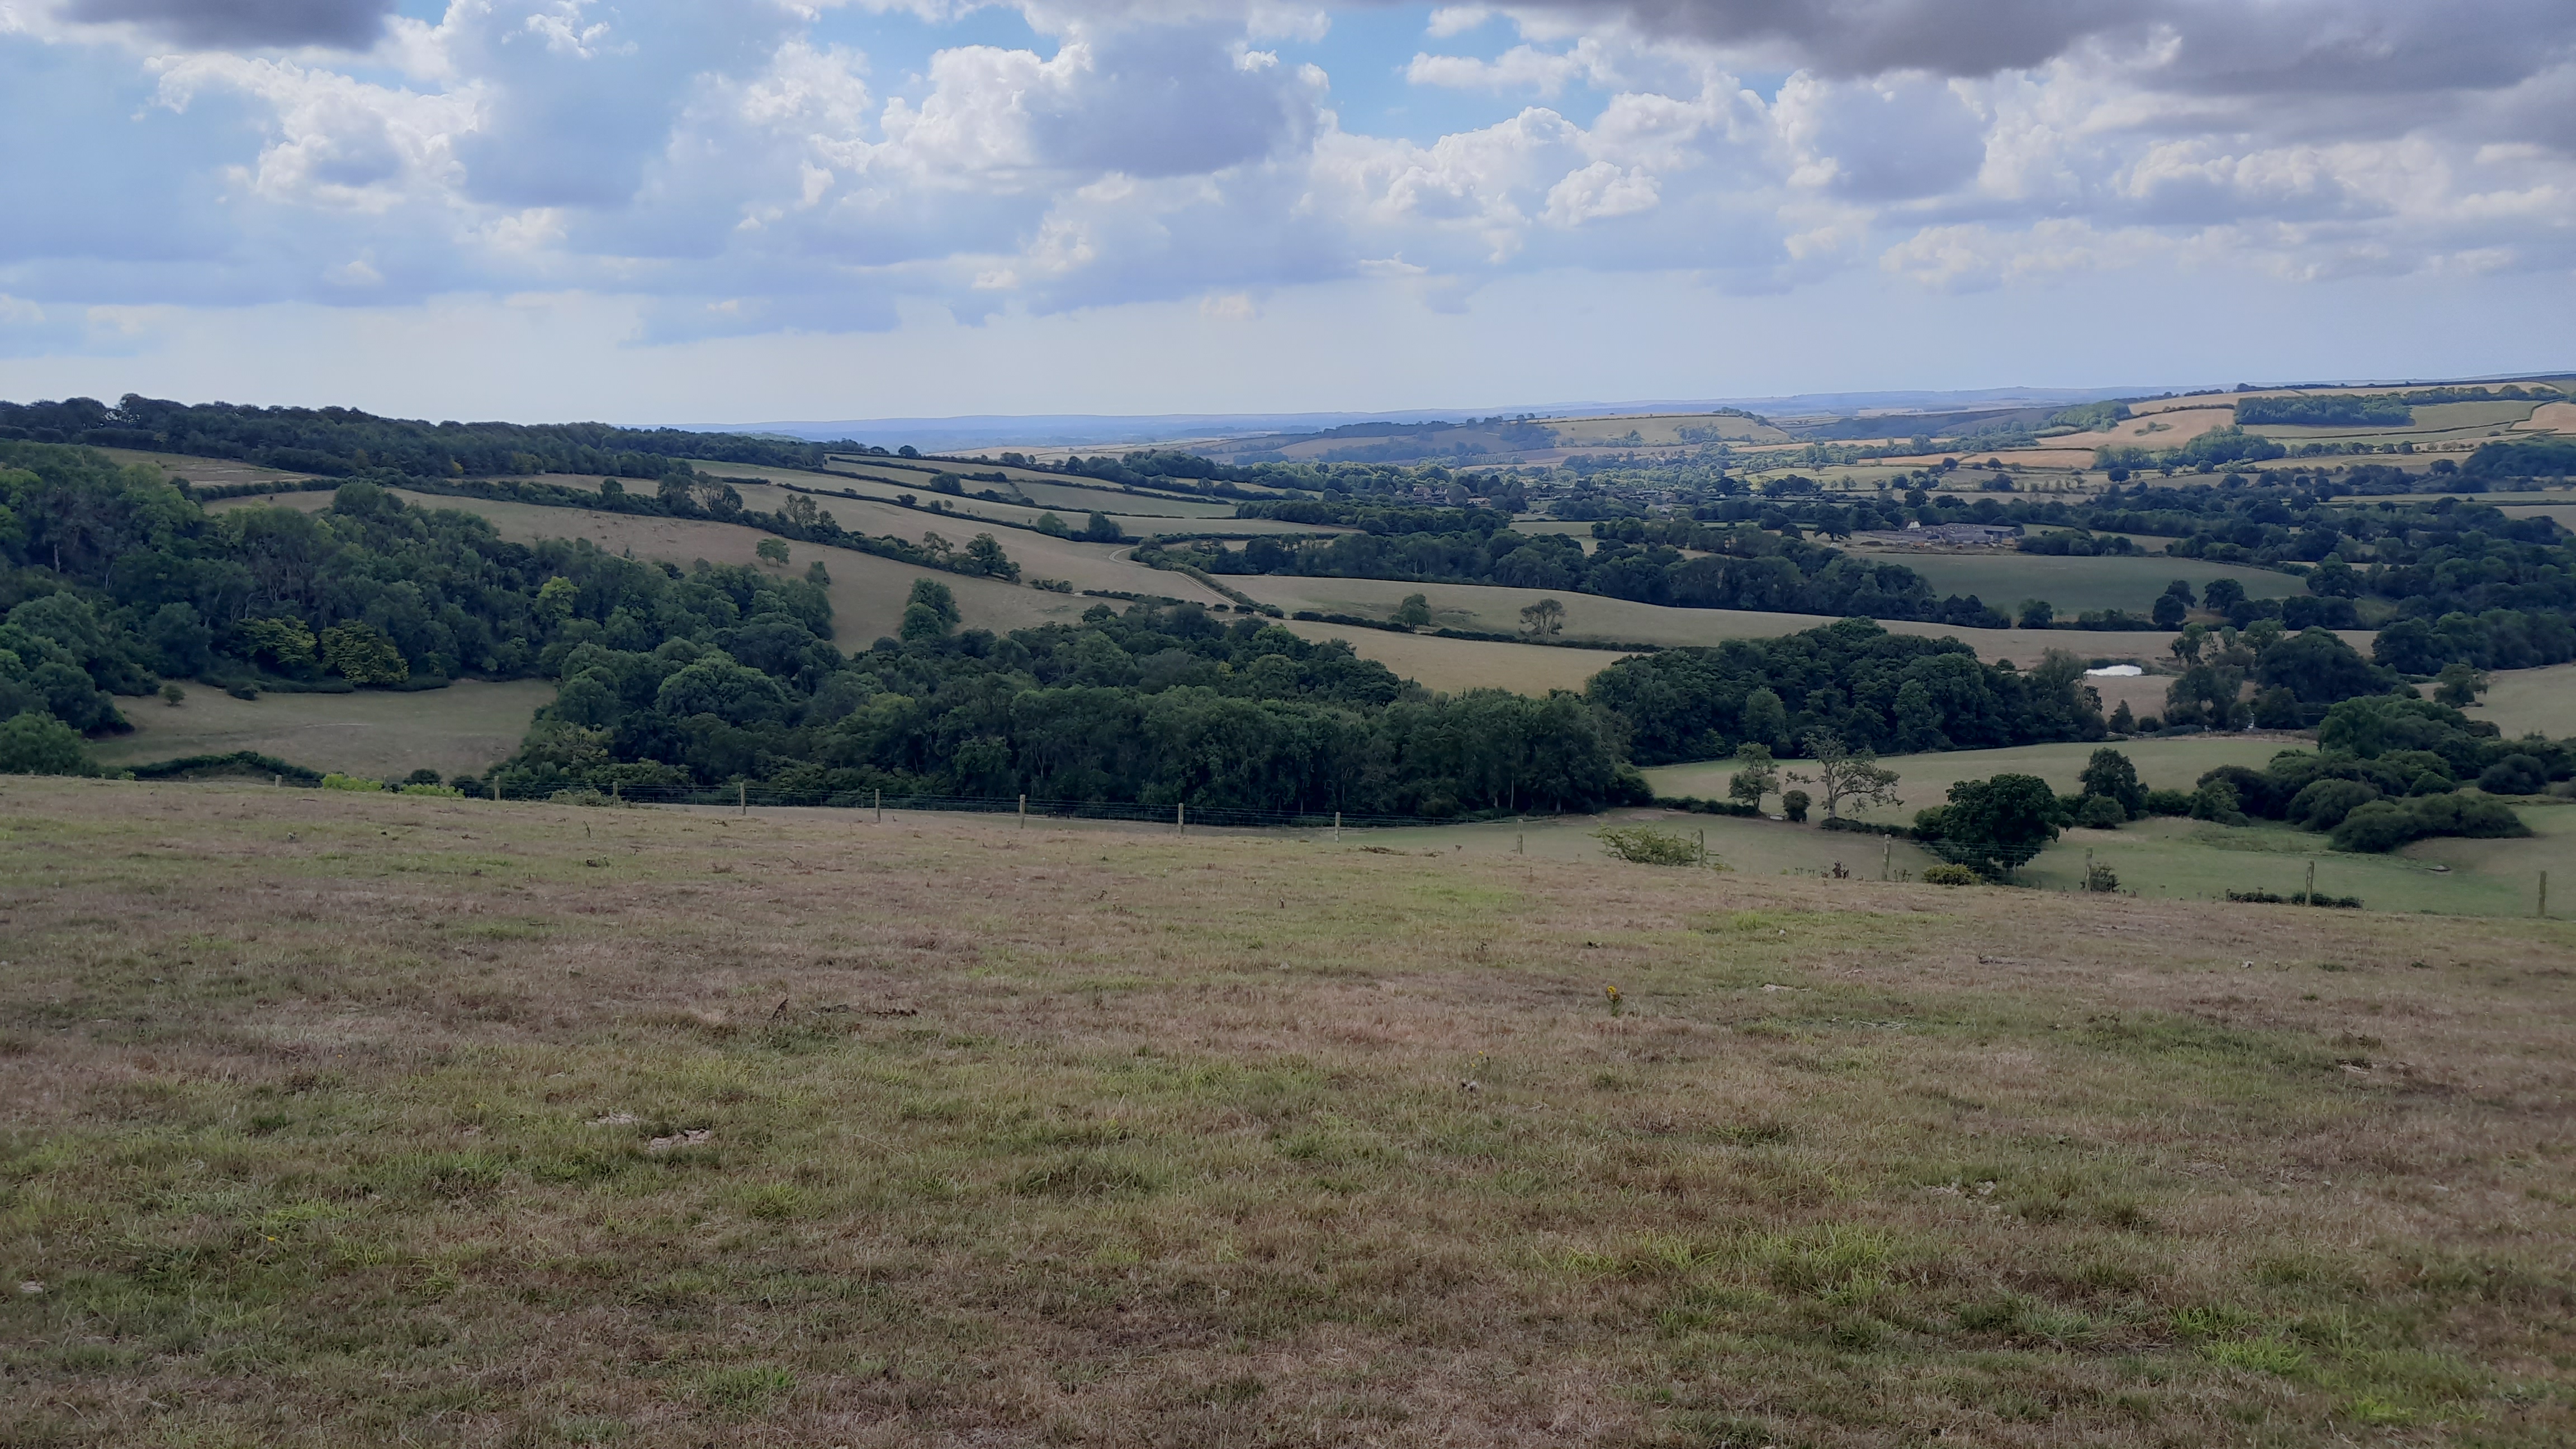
(662,211)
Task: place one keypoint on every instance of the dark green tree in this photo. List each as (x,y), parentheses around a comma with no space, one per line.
(2111,775)
(1996,826)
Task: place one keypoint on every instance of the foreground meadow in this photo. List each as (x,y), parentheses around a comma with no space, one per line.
(337,1119)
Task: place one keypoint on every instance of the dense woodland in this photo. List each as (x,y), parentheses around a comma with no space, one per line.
(1867,687)
(343,442)
(117,581)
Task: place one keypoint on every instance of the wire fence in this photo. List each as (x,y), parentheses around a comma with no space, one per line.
(744,796)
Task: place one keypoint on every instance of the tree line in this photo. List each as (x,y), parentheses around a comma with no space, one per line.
(344,442)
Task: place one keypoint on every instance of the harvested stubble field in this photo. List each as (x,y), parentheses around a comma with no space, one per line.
(335,1119)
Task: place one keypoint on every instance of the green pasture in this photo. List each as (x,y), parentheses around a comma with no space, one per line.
(1924,780)
(2530,701)
(2004,577)
(462,729)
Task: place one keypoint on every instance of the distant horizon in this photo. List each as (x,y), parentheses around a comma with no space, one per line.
(1091,209)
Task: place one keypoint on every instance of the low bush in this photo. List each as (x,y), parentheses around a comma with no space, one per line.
(1647,845)
(2384,825)
(1950,875)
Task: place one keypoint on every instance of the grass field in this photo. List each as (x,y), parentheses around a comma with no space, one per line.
(878,501)
(2191,860)
(1589,616)
(867,592)
(205,472)
(332,1119)
(462,729)
(2005,577)
(1455,665)
(2530,701)
(1925,780)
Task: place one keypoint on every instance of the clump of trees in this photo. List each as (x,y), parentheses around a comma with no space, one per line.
(1853,681)
(1156,705)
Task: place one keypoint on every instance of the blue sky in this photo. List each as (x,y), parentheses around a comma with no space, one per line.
(678,210)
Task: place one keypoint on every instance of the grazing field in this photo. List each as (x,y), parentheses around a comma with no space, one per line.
(879,501)
(1455,665)
(2193,860)
(462,729)
(2005,577)
(204,472)
(2530,701)
(1925,780)
(867,592)
(1489,607)
(331,1119)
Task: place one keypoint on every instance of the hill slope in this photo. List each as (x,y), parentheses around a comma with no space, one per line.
(338,1118)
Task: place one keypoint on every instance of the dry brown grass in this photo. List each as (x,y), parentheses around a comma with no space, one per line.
(329,1119)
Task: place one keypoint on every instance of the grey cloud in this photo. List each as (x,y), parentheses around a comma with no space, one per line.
(577,124)
(224,24)
(1171,103)
(2222,46)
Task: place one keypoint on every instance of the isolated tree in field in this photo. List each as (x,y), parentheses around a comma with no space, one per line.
(771,550)
(1847,776)
(2459,685)
(985,553)
(2189,644)
(1759,777)
(1414,612)
(1543,618)
(2124,721)
(2037,613)
(931,611)
(2113,776)
(1765,719)
(1995,826)
(2168,611)
(2221,595)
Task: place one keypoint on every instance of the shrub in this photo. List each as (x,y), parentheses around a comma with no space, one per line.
(1646,845)
(1950,875)
(338,781)
(36,743)
(2514,775)
(2100,812)
(2216,800)
(2100,878)
(1794,805)
(2384,825)
(2323,805)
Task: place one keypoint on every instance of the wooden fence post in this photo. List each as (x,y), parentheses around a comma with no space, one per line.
(1181,819)
(2544,894)
(1886,859)
(1024,812)
(1337,827)
(742,796)
(2308,892)
(881,807)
